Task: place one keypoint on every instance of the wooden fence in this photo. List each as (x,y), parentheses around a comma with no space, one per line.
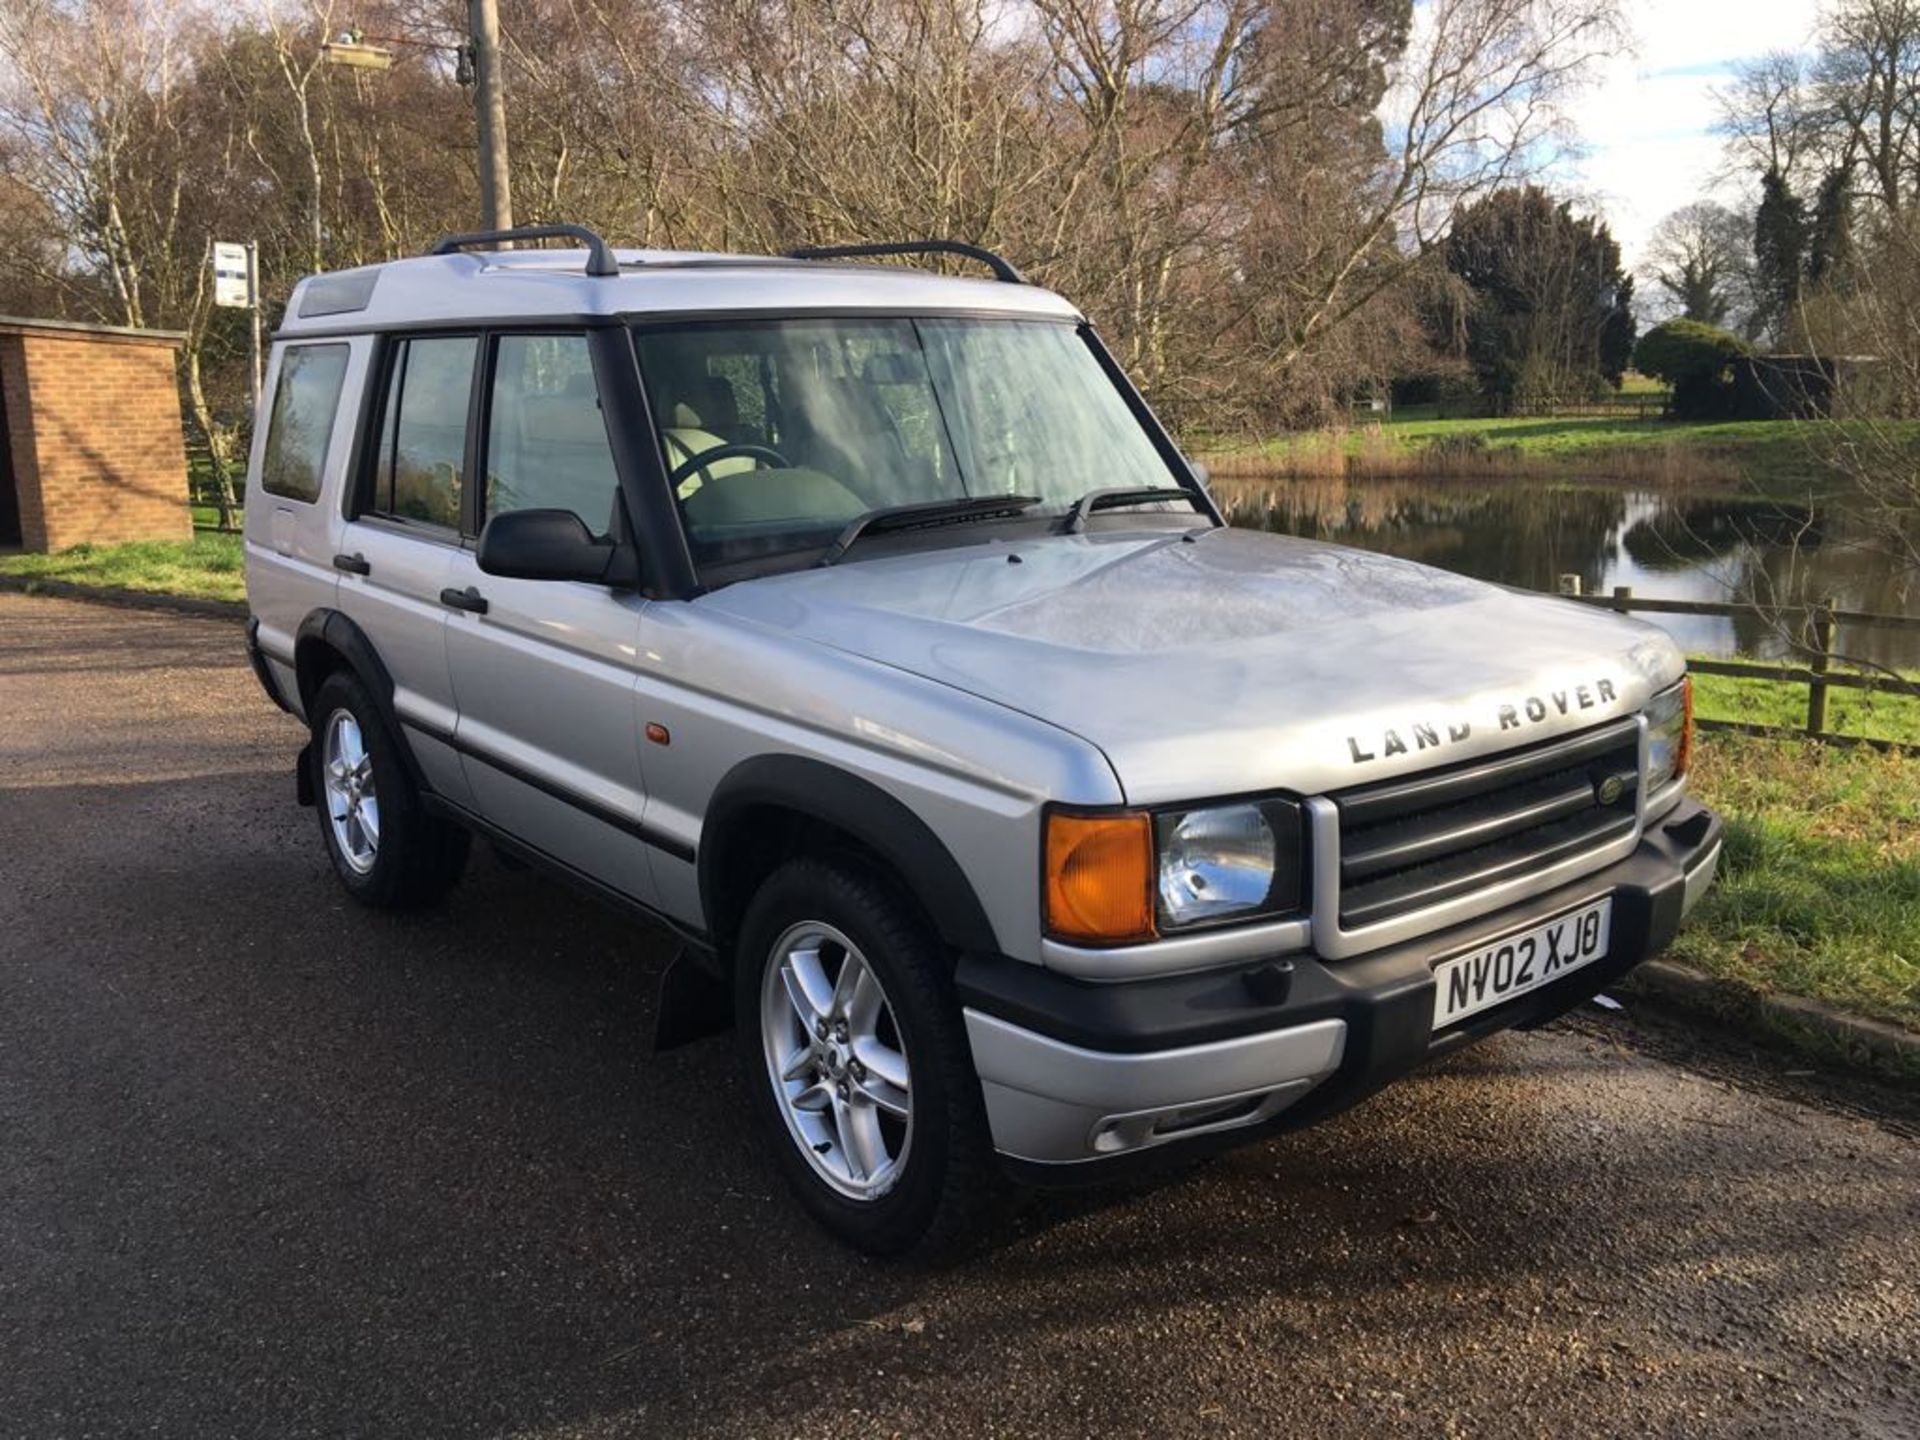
(1650,405)
(1644,405)
(1816,625)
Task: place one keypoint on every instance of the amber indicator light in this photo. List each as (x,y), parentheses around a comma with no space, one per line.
(1686,727)
(1099,877)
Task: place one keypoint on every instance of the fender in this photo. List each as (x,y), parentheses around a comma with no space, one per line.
(333,630)
(861,809)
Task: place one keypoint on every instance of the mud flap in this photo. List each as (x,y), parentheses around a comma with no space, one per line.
(693,1004)
(303,776)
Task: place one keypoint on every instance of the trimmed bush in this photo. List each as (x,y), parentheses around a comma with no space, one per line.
(1696,359)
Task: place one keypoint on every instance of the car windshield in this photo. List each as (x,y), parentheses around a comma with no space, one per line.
(779,433)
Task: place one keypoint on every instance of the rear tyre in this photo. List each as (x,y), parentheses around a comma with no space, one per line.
(856,1061)
(386,849)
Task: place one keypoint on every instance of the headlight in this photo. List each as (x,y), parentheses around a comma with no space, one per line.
(1669,734)
(1116,877)
(1214,863)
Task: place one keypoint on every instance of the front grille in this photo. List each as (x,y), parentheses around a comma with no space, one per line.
(1406,845)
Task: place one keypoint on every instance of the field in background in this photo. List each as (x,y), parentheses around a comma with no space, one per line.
(1777,455)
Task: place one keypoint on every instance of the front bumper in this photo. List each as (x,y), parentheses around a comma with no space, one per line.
(1082,1079)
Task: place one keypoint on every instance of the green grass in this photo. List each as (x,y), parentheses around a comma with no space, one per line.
(1551,437)
(1778,455)
(207,567)
(207,517)
(1892,713)
(1819,893)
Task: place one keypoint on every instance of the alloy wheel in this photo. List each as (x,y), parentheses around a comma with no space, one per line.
(353,809)
(836,1060)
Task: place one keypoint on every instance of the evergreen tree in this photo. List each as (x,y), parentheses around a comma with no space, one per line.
(1779,253)
(1617,331)
(1830,237)
(1548,311)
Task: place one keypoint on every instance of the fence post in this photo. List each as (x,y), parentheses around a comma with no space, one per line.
(1621,595)
(1822,658)
(1570,585)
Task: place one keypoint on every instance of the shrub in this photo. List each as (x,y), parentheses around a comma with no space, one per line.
(1697,360)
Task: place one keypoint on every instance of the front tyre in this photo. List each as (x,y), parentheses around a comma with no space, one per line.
(857,1063)
(386,849)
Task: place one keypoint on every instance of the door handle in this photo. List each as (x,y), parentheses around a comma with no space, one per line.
(352,564)
(469,600)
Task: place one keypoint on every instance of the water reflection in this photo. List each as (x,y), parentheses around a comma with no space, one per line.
(1674,545)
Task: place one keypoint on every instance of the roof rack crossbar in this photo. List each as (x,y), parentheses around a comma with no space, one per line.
(1002,268)
(600,257)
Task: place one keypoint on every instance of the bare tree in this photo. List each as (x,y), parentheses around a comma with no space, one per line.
(1766,115)
(1243,194)
(1866,94)
(1700,260)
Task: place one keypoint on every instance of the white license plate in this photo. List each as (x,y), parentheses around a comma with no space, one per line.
(1515,964)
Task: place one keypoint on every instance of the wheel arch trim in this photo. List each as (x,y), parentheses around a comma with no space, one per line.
(824,793)
(325,629)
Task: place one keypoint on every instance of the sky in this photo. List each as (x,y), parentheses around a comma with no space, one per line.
(1647,126)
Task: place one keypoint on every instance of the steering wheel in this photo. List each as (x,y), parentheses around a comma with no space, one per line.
(769,457)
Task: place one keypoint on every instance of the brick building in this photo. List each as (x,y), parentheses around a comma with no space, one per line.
(90,445)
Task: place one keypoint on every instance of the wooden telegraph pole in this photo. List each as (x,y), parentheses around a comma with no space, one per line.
(479,65)
(490,108)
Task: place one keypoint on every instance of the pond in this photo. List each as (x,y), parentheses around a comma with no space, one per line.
(1667,544)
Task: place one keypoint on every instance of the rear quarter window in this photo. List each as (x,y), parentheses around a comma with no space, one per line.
(305,400)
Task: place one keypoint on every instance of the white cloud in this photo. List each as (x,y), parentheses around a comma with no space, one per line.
(1647,126)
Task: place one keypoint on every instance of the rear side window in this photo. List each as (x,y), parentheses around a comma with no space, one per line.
(304,401)
(547,446)
(420,470)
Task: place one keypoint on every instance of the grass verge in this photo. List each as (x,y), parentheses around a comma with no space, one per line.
(1819,891)
(207,567)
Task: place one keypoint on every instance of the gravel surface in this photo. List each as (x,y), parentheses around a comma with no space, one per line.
(272,1165)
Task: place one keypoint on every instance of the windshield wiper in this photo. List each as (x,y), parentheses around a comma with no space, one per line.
(1106,499)
(928,514)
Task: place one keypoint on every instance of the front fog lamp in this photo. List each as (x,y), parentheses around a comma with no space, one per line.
(1227,862)
(1669,734)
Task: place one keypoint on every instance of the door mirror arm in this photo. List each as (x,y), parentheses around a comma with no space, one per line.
(623,567)
(554,545)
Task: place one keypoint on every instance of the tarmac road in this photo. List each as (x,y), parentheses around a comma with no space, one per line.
(272,1165)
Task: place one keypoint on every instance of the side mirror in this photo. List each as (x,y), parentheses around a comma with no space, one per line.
(1200,473)
(550,545)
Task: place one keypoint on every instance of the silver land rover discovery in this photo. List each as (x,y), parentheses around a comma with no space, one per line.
(863,627)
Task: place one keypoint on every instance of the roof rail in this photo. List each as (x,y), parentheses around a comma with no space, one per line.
(1003,269)
(600,257)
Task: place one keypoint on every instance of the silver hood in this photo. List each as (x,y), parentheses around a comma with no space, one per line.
(1235,661)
